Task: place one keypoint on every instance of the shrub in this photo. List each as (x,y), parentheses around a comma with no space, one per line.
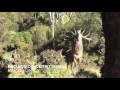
(20,57)
(41,35)
(23,40)
(51,57)
(86,74)
(6,56)
(90,70)
(1,48)
(59,73)
(36,73)
(93,58)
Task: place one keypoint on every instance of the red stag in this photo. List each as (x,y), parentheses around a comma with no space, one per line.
(74,55)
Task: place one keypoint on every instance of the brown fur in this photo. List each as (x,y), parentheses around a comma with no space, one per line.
(74,55)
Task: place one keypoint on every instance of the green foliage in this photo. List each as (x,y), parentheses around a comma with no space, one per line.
(92,58)
(1,48)
(40,35)
(23,36)
(89,70)
(18,39)
(86,74)
(22,57)
(36,74)
(51,57)
(7,25)
(20,16)
(65,19)
(59,40)
(22,40)
(6,55)
(59,73)
(23,33)
(88,21)
(44,15)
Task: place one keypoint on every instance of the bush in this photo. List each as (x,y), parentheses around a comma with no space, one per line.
(23,40)
(86,74)
(51,73)
(1,49)
(7,25)
(6,56)
(59,73)
(90,70)
(20,57)
(41,35)
(52,57)
(59,40)
(92,58)
(36,73)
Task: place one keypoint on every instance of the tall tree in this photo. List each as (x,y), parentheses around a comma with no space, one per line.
(54,17)
(111,28)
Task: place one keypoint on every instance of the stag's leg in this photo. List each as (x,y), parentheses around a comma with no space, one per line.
(69,61)
(73,65)
(75,60)
(79,62)
(67,64)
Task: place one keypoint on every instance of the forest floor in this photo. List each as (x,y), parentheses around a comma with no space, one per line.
(86,71)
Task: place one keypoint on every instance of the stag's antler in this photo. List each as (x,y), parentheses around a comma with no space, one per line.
(83,32)
(86,36)
(73,33)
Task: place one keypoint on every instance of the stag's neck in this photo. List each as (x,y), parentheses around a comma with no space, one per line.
(79,43)
(78,46)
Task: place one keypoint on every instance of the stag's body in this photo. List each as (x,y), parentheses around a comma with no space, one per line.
(74,55)
(69,56)
(77,50)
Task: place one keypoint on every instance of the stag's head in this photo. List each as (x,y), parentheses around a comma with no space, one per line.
(79,35)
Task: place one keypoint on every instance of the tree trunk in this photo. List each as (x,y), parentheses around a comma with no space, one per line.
(53,28)
(111,28)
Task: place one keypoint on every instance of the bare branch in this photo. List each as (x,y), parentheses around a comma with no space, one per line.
(50,13)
